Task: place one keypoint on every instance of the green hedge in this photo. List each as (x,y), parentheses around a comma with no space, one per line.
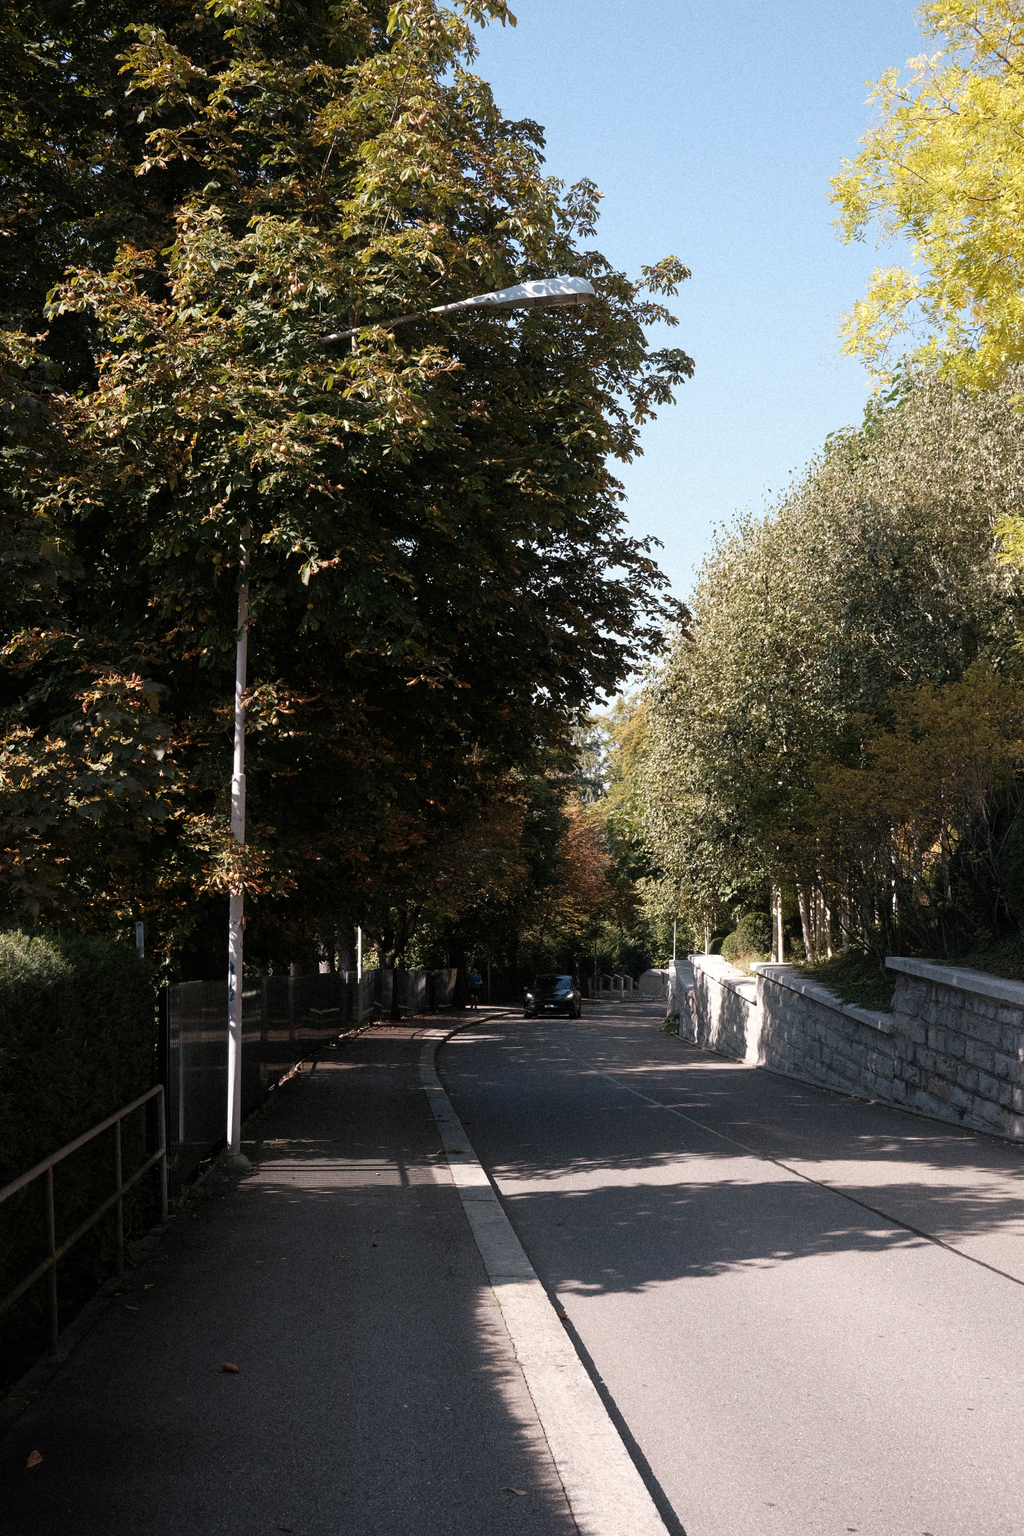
(77,1041)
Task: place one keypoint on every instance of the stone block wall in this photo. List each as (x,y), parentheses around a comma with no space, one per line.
(718,1017)
(961,1039)
(807,1032)
(952,1048)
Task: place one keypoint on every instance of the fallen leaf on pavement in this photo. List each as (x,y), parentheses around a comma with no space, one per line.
(521,1491)
(230,1368)
(34,1459)
(375,1229)
(149,1285)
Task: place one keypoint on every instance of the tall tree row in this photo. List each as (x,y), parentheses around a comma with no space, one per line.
(842,730)
(845,722)
(440,580)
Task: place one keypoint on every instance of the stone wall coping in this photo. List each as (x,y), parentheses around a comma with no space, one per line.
(735,980)
(728,976)
(961,977)
(788,976)
(883,1022)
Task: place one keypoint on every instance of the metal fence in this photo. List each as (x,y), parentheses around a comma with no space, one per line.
(114,1201)
(616,989)
(418,991)
(284,1020)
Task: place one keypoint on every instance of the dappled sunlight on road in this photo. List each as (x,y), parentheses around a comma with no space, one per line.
(667,1162)
(809,1309)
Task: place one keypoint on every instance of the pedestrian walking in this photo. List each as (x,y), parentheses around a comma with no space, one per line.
(476,982)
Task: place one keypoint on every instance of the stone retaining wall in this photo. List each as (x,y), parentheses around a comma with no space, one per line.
(953,1046)
(722,1008)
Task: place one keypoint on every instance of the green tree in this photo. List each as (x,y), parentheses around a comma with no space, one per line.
(630,935)
(71,139)
(877,577)
(439,576)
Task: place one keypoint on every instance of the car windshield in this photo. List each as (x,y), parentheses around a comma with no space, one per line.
(553,984)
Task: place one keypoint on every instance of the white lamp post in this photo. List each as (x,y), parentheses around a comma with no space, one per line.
(236,900)
(543,293)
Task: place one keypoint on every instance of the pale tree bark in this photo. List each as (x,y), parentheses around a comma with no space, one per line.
(805,924)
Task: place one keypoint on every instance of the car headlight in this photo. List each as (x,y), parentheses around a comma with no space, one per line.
(530,997)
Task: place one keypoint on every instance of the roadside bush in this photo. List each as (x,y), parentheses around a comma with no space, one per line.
(751,939)
(77,1041)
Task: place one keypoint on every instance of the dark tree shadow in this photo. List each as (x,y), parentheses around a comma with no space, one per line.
(376,1389)
(661,1161)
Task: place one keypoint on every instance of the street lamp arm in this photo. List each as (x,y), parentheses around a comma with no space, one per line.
(542,293)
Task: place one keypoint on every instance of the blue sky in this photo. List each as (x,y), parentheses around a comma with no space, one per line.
(712,131)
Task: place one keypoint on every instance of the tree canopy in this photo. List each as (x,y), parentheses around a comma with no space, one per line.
(812,733)
(944,169)
(440,580)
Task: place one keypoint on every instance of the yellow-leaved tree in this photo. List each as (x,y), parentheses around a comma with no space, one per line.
(944,169)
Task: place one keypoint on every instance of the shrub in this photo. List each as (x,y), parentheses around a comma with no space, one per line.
(751,939)
(77,1041)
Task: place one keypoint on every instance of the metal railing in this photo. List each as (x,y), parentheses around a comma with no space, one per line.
(616,988)
(114,1201)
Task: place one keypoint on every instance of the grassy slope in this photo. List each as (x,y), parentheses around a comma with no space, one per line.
(1004,957)
(859,980)
(856,979)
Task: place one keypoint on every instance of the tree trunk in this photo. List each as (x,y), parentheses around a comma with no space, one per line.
(805,924)
(457,957)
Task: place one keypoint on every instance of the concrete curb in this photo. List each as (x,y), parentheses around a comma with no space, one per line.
(605,1492)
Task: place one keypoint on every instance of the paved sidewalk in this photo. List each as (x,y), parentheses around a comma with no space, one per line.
(377,1391)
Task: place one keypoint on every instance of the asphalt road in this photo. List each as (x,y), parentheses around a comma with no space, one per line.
(808,1312)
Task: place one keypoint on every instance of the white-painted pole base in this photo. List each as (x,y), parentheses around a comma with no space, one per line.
(235,989)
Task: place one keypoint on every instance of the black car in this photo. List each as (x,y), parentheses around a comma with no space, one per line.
(552,994)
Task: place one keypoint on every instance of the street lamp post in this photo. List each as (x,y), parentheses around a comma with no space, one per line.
(236,900)
(541,293)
